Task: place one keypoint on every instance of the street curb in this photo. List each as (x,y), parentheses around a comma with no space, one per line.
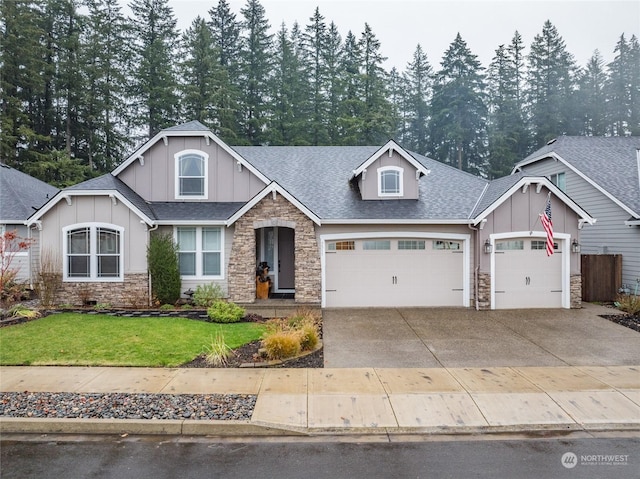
(10,425)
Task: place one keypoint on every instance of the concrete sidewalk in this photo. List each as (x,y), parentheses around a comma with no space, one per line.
(355,401)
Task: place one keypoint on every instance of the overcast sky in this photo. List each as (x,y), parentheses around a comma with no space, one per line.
(401,24)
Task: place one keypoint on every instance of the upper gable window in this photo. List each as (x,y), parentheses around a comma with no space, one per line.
(390,181)
(191,174)
(559,180)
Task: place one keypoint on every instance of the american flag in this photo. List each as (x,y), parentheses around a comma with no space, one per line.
(547,224)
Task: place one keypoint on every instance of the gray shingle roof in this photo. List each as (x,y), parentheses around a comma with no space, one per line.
(194,211)
(610,162)
(194,125)
(495,190)
(318,176)
(21,195)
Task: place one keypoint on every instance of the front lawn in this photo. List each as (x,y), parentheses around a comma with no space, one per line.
(73,339)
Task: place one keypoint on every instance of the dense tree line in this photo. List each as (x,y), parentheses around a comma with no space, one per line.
(82,84)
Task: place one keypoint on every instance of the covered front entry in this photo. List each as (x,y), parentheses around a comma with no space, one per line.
(525,277)
(276,246)
(395,272)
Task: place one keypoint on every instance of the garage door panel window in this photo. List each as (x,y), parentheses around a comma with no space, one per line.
(542,245)
(199,251)
(511,245)
(376,245)
(341,246)
(446,245)
(411,244)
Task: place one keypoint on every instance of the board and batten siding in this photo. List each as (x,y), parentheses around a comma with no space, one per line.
(609,235)
(97,209)
(155,179)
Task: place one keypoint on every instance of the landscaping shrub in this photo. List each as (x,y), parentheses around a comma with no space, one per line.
(162,256)
(217,352)
(628,303)
(308,336)
(282,344)
(21,311)
(167,307)
(49,278)
(207,294)
(225,312)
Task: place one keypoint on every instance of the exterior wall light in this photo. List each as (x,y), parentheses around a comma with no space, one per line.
(575,246)
(487,246)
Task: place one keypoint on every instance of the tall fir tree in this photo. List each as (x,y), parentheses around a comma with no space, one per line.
(551,83)
(397,88)
(418,83)
(352,107)
(459,113)
(591,99)
(507,132)
(256,69)
(154,84)
(104,109)
(201,74)
(335,83)
(622,88)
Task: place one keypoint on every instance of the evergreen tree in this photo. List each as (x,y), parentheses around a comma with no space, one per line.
(551,85)
(154,40)
(507,133)
(623,87)
(397,88)
(591,99)
(418,80)
(334,83)
(352,107)
(376,121)
(201,74)
(103,108)
(314,45)
(22,140)
(255,71)
(458,126)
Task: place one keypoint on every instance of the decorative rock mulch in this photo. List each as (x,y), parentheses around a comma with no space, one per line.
(127,406)
(628,320)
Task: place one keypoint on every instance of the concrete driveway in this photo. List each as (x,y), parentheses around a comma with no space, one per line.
(449,337)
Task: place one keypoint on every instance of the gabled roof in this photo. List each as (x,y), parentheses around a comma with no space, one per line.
(499,190)
(390,147)
(318,177)
(610,164)
(192,128)
(21,195)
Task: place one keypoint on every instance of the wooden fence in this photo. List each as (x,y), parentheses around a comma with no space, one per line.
(601,276)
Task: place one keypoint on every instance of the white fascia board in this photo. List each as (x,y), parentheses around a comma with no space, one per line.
(527,180)
(272,188)
(46,207)
(407,221)
(71,193)
(635,222)
(586,178)
(390,145)
(207,134)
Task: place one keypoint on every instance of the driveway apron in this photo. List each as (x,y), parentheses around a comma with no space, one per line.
(456,337)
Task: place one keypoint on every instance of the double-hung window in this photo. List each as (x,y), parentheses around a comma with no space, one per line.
(191,174)
(390,181)
(200,251)
(93,252)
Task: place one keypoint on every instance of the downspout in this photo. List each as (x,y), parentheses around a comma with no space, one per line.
(149,230)
(476,261)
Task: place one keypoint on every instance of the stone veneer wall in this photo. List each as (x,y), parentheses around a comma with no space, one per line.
(133,292)
(242,260)
(575,296)
(484,291)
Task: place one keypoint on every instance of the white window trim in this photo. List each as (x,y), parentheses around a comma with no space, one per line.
(176,157)
(199,251)
(400,172)
(93,255)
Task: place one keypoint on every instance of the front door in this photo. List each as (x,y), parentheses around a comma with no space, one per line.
(276,246)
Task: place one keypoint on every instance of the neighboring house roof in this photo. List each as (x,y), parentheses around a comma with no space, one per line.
(610,164)
(21,195)
(318,177)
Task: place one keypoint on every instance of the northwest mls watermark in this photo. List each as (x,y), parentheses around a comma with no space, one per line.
(571,460)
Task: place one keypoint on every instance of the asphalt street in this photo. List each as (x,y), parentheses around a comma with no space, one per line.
(610,455)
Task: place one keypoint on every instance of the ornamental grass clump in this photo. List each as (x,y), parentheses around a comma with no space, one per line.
(628,303)
(282,344)
(286,338)
(217,352)
(225,312)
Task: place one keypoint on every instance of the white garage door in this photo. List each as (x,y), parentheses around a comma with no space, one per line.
(394,272)
(525,277)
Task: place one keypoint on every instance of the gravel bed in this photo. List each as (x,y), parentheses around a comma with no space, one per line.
(127,406)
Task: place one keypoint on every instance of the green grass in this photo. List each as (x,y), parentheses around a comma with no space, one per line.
(99,340)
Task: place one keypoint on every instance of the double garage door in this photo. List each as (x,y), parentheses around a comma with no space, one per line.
(525,277)
(394,272)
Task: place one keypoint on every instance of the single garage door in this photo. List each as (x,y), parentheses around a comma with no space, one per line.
(394,272)
(525,277)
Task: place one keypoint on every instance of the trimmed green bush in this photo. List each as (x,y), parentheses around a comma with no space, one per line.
(207,294)
(225,312)
(162,256)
